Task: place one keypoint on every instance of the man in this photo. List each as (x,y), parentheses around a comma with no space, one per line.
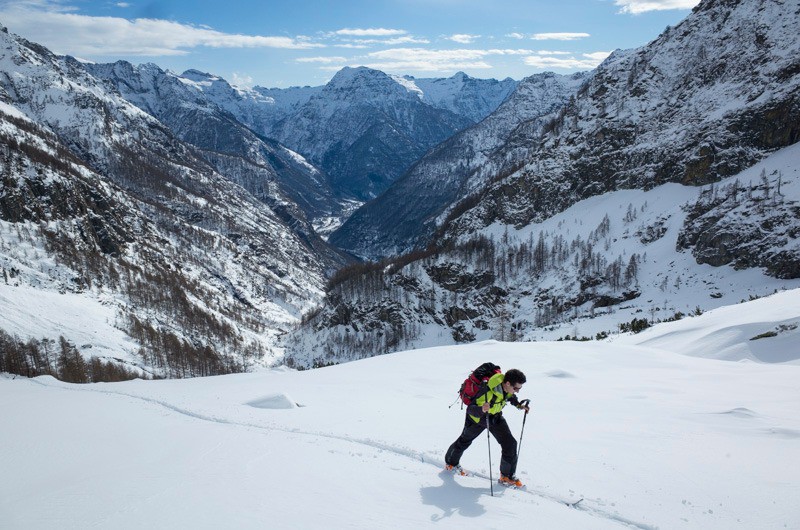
(488,407)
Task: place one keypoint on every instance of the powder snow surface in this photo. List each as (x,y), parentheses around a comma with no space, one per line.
(650,438)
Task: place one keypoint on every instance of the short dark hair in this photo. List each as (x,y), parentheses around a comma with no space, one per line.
(515,377)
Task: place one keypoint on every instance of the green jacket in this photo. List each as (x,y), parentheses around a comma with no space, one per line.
(492,393)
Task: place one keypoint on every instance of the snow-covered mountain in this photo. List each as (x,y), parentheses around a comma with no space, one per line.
(270,171)
(404,216)
(571,219)
(647,436)
(176,269)
(259,108)
(466,96)
(365,128)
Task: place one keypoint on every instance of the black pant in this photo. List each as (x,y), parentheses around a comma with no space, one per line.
(499,429)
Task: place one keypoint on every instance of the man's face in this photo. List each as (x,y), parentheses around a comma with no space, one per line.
(511,388)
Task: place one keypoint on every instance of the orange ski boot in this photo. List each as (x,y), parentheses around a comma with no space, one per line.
(511,482)
(456,470)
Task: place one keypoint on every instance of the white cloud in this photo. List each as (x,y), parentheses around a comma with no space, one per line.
(597,56)
(560,36)
(546,60)
(324,60)
(122,4)
(421,59)
(509,52)
(350,45)
(635,7)
(424,66)
(403,54)
(109,36)
(372,32)
(463,38)
(421,65)
(406,54)
(404,60)
(407,39)
(516,35)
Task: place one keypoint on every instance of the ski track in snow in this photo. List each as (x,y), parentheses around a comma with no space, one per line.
(425,458)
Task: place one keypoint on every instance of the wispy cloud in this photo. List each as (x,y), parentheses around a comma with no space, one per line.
(599,57)
(635,7)
(406,39)
(371,32)
(83,35)
(425,60)
(548,52)
(548,60)
(350,45)
(322,60)
(463,38)
(560,36)
(515,36)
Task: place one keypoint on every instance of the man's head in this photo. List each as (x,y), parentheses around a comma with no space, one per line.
(513,380)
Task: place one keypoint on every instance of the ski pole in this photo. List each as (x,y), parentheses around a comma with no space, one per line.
(489,441)
(524,403)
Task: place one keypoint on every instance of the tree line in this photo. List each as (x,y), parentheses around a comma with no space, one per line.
(60,359)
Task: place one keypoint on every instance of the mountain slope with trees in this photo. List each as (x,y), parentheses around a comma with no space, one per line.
(101,202)
(597,208)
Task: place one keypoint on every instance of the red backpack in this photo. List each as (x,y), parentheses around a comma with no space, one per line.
(469,388)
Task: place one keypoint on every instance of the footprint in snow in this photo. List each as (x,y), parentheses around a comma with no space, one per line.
(561,374)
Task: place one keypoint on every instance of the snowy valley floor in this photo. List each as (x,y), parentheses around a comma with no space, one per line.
(649,437)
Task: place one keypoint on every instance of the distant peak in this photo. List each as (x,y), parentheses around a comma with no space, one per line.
(146,67)
(354,76)
(350,72)
(198,75)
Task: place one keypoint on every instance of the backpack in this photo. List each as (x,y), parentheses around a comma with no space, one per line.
(469,388)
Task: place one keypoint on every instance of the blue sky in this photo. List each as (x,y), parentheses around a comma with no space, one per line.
(304,42)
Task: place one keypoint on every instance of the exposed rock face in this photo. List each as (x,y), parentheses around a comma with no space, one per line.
(58,187)
(746,227)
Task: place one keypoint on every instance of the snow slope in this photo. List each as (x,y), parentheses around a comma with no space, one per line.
(731,334)
(648,437)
